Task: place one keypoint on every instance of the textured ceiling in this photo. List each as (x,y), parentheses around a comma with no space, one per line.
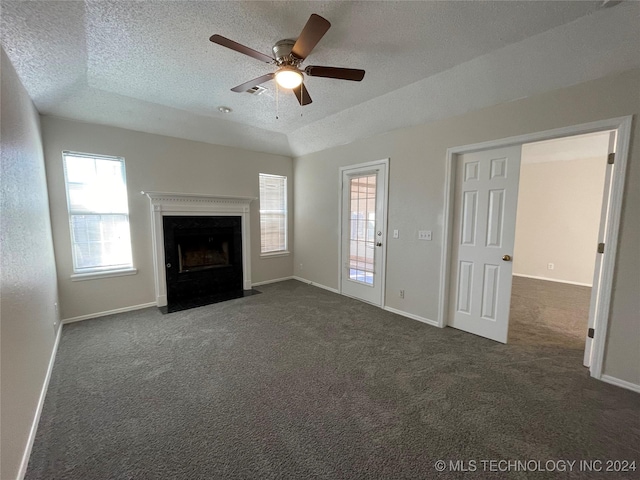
(149,65)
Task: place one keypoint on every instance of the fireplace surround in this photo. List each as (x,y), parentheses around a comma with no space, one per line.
(206,251)
(203,256)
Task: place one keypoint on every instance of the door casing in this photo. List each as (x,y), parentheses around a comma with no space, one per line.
(613,213)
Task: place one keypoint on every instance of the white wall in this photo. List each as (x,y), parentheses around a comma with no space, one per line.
(153,163)
(559,206)
(28,275)
(416,201)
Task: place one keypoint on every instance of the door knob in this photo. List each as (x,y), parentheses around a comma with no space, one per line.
(506,258)
(379,244)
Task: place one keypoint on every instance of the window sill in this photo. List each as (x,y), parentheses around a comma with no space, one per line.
(275,254)
(77,277)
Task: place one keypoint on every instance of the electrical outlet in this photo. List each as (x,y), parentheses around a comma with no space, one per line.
(401,293)
(424,234)
(550,266)
(396,234)
(301,267)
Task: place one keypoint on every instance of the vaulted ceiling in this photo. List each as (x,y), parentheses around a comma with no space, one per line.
(150,66)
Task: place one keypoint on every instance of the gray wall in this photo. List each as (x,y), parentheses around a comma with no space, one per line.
(153,163)
(416,201)
(559,208)
(28,275)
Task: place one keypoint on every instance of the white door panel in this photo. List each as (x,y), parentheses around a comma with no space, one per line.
(486,194)
(363,232)
(597,273)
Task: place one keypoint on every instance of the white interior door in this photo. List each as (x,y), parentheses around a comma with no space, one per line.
(363,232)
(597,272)
(486,195)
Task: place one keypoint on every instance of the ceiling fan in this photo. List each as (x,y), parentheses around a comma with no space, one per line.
(288,56)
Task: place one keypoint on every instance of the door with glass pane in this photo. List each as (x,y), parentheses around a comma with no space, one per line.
(363,235)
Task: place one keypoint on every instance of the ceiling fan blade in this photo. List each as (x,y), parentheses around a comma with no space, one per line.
(225,42)
(252,83)
(311,34)
(302,95)
(335,72)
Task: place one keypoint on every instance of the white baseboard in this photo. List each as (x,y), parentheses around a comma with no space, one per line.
(275,280)
(36,419)
(553,280)
(319,285)
(620,383)
(412,316)
(108,312)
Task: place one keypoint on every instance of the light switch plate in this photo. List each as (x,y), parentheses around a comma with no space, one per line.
(396,234)
(424,234)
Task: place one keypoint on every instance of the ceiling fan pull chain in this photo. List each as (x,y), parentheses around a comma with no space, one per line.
(277,101)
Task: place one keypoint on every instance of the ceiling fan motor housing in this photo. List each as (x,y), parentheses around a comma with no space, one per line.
(282,53)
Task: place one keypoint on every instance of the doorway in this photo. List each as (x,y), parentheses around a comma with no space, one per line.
(452,273)
(558,223)
(363,227)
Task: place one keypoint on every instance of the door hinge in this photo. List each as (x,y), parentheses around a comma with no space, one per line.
(591,333)
(610,158)
(601,248)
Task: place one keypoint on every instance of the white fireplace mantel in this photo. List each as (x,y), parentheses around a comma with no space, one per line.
(188,204)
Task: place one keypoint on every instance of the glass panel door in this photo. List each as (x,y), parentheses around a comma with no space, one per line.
(362,224)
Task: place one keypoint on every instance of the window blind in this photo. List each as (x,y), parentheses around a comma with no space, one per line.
(273,213)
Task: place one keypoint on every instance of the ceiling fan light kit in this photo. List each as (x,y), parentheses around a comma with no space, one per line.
(288,55)
(288,77)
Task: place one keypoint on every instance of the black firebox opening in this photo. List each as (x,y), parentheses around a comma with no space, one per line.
(200,252)
(203,258)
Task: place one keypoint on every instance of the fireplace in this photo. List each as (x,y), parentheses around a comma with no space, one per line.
(201,247)
(203,257)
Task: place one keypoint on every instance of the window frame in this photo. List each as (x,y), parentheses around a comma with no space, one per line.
(285,251)
(103,271)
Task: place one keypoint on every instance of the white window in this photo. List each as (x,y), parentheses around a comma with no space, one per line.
(273,214)
(98,213)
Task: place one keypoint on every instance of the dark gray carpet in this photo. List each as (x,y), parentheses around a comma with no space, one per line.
(302,383)
(548,313)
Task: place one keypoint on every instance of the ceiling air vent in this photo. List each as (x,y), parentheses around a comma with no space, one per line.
(257,90)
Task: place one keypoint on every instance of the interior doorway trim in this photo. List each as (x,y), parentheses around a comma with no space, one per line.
(384,164)
(623,127)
